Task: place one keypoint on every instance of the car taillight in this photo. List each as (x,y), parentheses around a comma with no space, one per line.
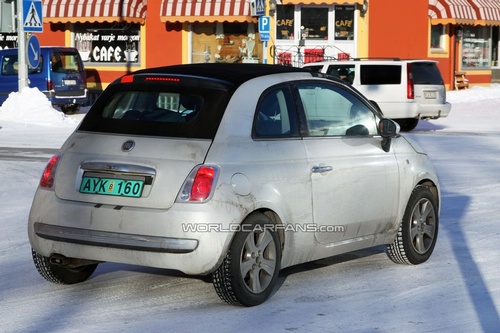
(50,85)
(410,92)
(199,185)
(48,176)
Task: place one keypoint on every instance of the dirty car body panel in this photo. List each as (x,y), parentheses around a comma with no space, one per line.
(130,184)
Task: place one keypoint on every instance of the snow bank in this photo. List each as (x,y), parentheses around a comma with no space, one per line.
(31,106)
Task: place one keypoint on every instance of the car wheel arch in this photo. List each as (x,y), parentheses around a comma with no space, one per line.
(433,188)
(276,220)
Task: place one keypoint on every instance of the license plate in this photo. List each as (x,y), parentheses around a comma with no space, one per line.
(429,94)
(69,82)
(112,186)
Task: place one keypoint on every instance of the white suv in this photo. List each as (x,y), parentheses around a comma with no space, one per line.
(404,90)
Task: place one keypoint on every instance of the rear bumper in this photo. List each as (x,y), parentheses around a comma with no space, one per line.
(415,110)
(115,239)
(433,111)
(180,238)
(56,99)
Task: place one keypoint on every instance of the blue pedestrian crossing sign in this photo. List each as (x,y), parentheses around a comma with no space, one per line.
(32,16)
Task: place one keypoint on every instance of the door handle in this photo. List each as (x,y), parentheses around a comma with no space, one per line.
(321,168)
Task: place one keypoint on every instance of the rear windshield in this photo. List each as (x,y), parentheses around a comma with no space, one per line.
(65,62)
(171,109)
(380,74)
(426,73)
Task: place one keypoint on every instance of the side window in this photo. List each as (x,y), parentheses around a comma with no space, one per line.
(9,65)
(333,111)
(345,72)
(275,116)
(380,74)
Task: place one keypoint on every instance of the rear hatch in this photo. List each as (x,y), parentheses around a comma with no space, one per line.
(140,140)
(428,83)
(67,73)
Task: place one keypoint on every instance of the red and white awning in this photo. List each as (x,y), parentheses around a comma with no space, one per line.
(132,11)
(476,12)
(489,10)
(321,2)
(205,11)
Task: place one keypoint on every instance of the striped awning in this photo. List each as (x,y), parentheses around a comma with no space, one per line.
(132,11)
(489,10)
(320,2)
(205,11)
(474,12)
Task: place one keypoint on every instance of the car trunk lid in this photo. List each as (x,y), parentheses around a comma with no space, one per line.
(122,170)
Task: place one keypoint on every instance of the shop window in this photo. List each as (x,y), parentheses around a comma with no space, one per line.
(344,22)
(285,22)
(106,43)
(225,43)
(476,47)
(437,37)
(314,23)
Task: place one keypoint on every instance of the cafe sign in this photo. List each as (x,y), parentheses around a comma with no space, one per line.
(107,45)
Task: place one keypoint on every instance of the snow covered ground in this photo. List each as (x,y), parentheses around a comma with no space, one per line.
(457,290)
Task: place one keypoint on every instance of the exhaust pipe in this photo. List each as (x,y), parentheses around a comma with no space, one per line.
(59,260)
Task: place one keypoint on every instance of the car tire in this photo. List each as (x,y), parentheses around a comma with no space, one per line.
(407,124)
(70,108)
(60,274)
(418,231)
(249,272)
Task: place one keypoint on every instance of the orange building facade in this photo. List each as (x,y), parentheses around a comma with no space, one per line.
(118,36)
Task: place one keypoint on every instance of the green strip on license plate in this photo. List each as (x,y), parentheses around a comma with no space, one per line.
(112,186)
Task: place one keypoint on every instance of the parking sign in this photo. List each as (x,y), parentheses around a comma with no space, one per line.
(265,28)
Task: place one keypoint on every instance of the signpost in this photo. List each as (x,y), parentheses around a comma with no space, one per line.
(265,34)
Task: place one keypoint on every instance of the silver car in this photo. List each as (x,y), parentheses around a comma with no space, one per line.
(233,170)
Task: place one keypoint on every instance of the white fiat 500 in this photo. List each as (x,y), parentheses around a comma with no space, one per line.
(233,170)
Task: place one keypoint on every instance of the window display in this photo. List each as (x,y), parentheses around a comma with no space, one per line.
(285,25)
(476,48)
(314,23)
(344,22)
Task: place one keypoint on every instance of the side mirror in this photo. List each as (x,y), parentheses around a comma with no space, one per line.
(387,129)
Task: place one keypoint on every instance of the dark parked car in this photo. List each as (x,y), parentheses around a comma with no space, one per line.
(60,75)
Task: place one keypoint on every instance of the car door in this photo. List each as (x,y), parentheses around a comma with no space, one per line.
(354,181)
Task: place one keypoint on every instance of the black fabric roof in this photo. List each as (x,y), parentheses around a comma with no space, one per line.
(234,73)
